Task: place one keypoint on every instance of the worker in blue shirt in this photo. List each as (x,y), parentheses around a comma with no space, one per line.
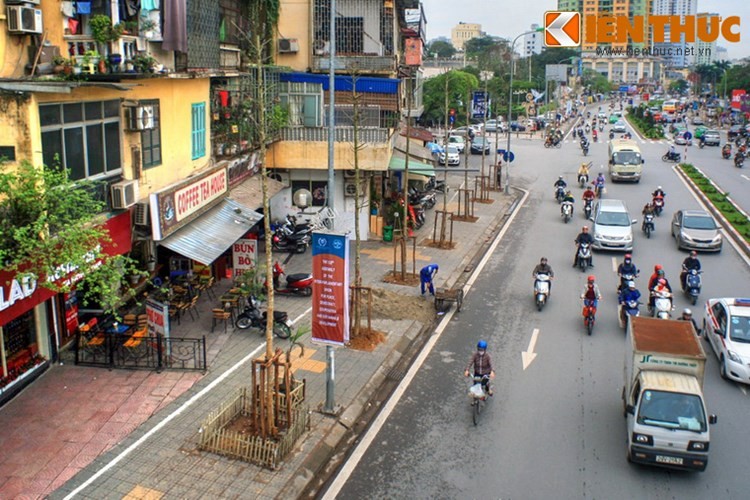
(426,275)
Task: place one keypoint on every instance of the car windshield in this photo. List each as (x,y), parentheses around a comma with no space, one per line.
(739,329)
(698,222)
(672,410)
(455,138)
(452,150)
(613,219)
(626,158)
(479,141)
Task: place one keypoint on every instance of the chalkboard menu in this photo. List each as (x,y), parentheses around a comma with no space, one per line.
(19,334)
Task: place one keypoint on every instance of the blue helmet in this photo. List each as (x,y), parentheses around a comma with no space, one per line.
(482,344)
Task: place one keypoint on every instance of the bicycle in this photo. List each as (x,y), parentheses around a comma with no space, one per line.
(478,395)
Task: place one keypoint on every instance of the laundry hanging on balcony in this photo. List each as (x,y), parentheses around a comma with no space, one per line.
(175,26)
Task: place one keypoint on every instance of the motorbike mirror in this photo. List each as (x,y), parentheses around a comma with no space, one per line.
(643,161)
(634,221)
(630,409)
(712,419)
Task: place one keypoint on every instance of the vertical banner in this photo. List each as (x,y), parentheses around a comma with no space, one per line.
(478,104)
(330,301)
(737,97)
(158,321)
(245,254)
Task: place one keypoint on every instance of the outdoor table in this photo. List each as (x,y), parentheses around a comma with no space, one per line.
(119,329)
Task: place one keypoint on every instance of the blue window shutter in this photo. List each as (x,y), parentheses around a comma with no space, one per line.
(198,130)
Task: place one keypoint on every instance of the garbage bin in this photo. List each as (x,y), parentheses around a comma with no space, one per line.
(387,233)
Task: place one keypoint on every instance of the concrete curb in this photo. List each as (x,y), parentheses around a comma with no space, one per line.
(728,227)
(332,450)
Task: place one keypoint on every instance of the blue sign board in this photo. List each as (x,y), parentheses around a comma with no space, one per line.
(687,135)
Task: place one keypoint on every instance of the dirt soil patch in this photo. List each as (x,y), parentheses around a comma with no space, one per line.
(445,244)
(465,218)
(367,340)
(397,306)
(411,279)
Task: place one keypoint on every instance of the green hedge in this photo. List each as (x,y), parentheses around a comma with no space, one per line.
(645,125)
(719,200)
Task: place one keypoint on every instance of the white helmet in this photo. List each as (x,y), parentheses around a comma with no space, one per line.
(658,188)
(687,312)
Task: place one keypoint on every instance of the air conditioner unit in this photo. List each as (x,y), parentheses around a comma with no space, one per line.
(350,189)
(124,194)
(282,177)
(22,19)
(141,215)
(349,174)
(288,45)
(141,117)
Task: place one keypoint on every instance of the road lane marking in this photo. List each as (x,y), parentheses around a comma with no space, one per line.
(614,264)
(377,424)
(745,177)
(742,388)
(528,355)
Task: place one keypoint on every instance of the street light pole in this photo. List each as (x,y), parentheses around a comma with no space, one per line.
(510,106)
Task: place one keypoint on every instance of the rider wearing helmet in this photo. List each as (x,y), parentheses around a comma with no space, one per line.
(583,170)
(687,315)
(481,364)
(691,262)
(568,196)
(658,192)
(629,293)
(560,182)
(627,267)
(591,294)
(583,237)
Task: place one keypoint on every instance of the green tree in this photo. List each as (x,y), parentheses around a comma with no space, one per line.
(461,84)
(738,76)
(678,86)
(722,67)
(51,221)
(441,49)
(596,82)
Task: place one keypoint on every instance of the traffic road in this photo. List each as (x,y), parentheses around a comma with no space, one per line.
(554,429)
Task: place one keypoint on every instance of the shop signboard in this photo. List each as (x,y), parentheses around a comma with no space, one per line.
(245,254)
(19,295)
(330,302)
(158,320)
(183,202)
(479,103)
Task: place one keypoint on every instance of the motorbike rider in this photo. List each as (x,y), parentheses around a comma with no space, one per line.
(588,195)
(691,262)
(627,267)
(599,184)
(568,196)
(661,289)
(583,170)
(658,193)
(481,365)
(648,209)
(560,182)
(687,315)
(629,294)
(426,276)
(591,294)
(672,151)
(595,135)
(726,150)
(583,237)
(584,142)
(544,268)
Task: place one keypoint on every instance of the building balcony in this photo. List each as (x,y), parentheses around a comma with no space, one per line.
(361,63)
(341,134)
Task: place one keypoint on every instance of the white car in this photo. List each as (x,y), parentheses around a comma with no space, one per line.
(458,142)
(450,156)
(726,326)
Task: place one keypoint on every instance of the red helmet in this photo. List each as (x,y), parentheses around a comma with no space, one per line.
(591,278)
(662,281)
(657,268)
(628,256)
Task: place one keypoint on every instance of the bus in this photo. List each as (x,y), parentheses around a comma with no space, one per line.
(625,160)
(669,106)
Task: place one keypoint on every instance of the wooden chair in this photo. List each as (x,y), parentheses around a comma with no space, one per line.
(189,307)
(209,283)
(142,321)
(129,319)
(220,315)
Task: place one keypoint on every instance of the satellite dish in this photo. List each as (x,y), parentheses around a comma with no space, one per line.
(302,198)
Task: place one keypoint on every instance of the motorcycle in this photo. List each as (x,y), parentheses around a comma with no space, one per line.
(419,217)
(701,143)
(658,202)
(296,284)
(673,157)
(726,152)
(292,243)
(648,224)
(559,193)
(585,148)
(693,285)
(628,309)
(427,199)
(583,179)
(624,280)
(435,185)
(595,136)
(611,134)
(599,189)
(566,211)
(541,289)
(589,315)
(587,209)
(584,256)
(587,128)
(478,396)
(253,317)
(739,159)
(601,128)
(662,305)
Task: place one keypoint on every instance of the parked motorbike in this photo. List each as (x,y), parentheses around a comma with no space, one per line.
(662,305)
(296,284)
(253,317)
(658,202)
(584,256)
(587,209)
(435,185)
(426,198)
(648,224)
(559,193)
(541,289)
(292,243)
(628,309)
(566,211)
(693,285)
(419,216)
(673,157)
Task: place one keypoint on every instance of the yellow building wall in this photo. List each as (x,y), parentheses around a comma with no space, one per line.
(314,155)
(294,22)
(19,126)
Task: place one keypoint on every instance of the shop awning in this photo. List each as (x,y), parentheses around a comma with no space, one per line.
(398,164)
(208,236)
(250,194)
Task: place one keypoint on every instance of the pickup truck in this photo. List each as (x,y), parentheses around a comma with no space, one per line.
(663,399)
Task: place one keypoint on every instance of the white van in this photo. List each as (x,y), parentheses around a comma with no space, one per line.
(625,160)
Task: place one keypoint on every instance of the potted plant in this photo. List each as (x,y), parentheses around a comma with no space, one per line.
(128,27)
(151,264)
(59,63)
(144,63)
(147,28)
(89,60)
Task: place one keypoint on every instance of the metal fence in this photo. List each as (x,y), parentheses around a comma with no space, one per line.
(111,350)
(341,134)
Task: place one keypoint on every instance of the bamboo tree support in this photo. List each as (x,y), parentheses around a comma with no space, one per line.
(399,248)
(495,173)
(483,183)
(268,376)
(465,206)
(445,240)
(358,293)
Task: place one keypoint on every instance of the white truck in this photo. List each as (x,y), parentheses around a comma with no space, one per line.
(625,160)
(663,400)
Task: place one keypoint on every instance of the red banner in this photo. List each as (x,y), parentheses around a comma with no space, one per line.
(18,296)
(330,314)
(738,95)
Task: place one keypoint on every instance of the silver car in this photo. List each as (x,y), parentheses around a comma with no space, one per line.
(619,127)
(613,227)
(696,230)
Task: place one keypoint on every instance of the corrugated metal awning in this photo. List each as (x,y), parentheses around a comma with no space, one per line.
(208,236)
(57,87)
(250,194)
(398,163)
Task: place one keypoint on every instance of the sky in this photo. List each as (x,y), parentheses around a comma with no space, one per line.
(509,18)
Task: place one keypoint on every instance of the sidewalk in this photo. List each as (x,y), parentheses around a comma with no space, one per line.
(134,434)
